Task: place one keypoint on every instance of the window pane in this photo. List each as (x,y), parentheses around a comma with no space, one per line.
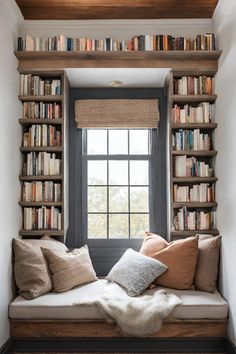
(139,172)
(118,199)
(139,199)
(97,199)
(118,172)
(97,172)
(139,223)
(118,141)
(97,226)
(138,142)
(97,142)
(118,226)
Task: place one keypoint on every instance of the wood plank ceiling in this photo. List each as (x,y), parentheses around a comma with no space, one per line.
(115,9)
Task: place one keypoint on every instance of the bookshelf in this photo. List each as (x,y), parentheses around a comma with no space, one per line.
(182,63)
(191,126)
(43,175)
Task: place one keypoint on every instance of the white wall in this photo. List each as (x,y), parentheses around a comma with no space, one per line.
(225,27)
(117,29)
(9,153)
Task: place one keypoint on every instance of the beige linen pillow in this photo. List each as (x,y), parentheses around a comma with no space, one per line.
(31,271)
(180,256)
(70,269)
(207,265)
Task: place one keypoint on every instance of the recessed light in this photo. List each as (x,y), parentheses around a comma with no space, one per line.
(116,83)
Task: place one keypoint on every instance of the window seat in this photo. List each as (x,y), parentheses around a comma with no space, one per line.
(53,314)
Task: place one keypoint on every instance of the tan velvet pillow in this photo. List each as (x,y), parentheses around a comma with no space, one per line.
(180,256)
(70,269)
(207,265)
(32,275)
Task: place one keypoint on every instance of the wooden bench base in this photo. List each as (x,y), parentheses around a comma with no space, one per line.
(72,328)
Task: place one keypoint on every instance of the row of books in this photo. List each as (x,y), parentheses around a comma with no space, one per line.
(35,85)
(191,167)
(42,110)
(140,42)
(41,163)
(190,140)
(37,191)
(191,85)
(186,220)
(42,218)
(203,113)
(203,193)
(42,135)
(194,220)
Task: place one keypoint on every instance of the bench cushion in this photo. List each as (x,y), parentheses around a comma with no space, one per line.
(195,304)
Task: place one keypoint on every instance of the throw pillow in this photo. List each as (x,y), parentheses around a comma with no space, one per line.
(70,269)
(207,265)
(180,256)
(135,272)
(31,271)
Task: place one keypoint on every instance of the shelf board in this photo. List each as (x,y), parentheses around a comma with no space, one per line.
(195,152)
(41,232)
(155,55)
(43,98)
(39,204)
(182,234)
(177,205)
(193,98)
(206,126)
(41,178)
(194,179)
(29,121)
(41,148)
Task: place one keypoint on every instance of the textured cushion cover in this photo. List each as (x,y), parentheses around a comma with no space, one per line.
(207,264)
(70,269)
(31,272)
(180,256)
(195,304)
(135,272)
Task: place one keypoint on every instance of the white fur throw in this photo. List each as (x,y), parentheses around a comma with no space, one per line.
(139,316)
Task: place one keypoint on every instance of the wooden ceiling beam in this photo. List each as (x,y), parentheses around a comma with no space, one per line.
(121,9)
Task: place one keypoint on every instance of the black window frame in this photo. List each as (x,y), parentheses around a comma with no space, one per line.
(105,252)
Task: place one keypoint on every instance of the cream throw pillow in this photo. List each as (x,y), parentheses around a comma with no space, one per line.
(32,276)
(70,269)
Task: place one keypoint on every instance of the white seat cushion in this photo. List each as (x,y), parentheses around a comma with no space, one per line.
(195,304)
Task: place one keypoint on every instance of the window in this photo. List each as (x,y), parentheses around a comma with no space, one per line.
(116,164)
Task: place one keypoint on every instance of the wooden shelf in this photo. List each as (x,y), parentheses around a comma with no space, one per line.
(194,179)
(41,148)
(41,233)
(39,204)
(182,234)
(177,205)
(194,126)
(49,98)
(171,54)
(29,121)
(193,98)
(195,152)
(41,178)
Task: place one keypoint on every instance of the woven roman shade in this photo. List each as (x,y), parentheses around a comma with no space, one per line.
(117,113)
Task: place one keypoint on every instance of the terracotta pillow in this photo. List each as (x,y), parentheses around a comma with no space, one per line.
(180,256)
(207,265)
(70,269)
(32,276)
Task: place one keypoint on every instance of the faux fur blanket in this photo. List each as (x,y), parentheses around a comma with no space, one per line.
(139,316)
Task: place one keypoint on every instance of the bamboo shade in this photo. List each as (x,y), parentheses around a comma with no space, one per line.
(117,113)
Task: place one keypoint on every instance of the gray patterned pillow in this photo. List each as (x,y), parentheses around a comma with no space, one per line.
(135,272)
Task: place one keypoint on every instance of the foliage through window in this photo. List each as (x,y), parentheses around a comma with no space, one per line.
(117,164)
